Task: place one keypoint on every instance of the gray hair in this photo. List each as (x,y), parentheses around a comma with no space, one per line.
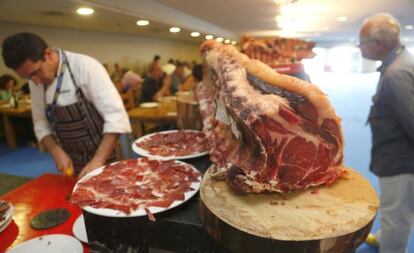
(385,28)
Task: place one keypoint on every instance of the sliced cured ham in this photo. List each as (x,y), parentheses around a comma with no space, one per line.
(174,143)
(136,184)
(266,131)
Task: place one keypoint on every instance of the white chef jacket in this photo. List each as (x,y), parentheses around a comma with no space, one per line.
(95,84)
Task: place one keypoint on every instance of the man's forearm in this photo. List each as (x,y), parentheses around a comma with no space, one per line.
(51,145)
(105,147)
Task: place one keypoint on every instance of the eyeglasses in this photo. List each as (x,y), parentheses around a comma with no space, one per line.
(35,73)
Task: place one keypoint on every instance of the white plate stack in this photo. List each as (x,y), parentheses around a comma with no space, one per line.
(8,216)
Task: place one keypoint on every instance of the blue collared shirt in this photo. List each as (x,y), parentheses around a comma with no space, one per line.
(392,116)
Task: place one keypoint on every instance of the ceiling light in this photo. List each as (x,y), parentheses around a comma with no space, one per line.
(227,41)
(342,18)
(219,39)
(85,11)
(142,22)
(233,42)
(175,29)
(209,37)
(195,34)
(409,27)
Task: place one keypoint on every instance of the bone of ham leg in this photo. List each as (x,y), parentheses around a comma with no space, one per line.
(266,131)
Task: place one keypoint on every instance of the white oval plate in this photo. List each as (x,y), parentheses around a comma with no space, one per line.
(8,219)
(49,244)
(79,229)
(195,186)
(143,152)
(149,105)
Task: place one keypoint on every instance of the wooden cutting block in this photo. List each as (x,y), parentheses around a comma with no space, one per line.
(331,219)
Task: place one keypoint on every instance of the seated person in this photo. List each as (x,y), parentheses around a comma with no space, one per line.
(171,83)
(192,81)
(177,78)
(130,80)
(7,85)
(169,67)
(152,84)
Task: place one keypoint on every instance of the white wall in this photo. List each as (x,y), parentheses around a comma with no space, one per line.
(129,50)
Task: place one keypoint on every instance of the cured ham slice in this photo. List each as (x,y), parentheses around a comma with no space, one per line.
(266,131)
(174,143)
(137,183)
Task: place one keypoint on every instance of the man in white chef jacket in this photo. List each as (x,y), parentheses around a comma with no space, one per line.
(77,111)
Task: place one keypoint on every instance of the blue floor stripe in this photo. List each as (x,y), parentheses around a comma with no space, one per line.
(25,161)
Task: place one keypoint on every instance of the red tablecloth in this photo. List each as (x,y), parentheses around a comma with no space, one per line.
(45,192)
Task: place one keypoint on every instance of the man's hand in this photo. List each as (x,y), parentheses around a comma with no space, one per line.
(90,166)
(63,161)
(102,153)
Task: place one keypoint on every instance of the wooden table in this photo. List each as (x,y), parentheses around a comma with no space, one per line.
(45,192)
(158,115)
(23,111)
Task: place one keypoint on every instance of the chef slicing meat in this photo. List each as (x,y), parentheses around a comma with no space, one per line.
(77,112)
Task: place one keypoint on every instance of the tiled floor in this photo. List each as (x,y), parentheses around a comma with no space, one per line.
(350,94)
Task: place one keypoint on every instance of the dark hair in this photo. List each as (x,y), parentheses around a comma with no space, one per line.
(198,72)
(156,57)
(20,47)
(179,64)
(5,79)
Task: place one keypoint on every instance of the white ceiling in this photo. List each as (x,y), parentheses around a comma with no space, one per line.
(310,19)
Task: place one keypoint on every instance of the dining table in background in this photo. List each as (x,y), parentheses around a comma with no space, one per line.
(160,113)
(24,110)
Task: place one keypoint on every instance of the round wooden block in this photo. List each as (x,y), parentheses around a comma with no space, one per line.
(334,219)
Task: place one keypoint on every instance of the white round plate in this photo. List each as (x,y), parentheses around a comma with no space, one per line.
(79,229)
(143,152)
(149,105)
(195,186)
(8,219)
(49,244)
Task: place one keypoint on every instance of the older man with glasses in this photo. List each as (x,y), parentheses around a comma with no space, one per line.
(392,124)
(77,111)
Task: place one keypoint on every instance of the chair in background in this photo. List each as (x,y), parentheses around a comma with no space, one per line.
(136,91)
(128,99)
(188,114)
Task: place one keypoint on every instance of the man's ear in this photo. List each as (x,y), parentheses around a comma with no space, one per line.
(48,53)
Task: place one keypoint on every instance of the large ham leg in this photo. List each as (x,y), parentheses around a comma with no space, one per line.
(266,131)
